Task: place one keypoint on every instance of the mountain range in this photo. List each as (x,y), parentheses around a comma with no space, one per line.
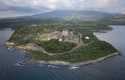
(73,15)
(68,15)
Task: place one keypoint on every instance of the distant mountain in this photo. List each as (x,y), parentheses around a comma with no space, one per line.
(62,15)
(118,19)
(73,15)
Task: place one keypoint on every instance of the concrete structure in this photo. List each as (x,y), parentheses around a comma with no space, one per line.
(64,35)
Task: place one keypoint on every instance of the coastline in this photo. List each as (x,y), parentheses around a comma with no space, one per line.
(74,64)
(11,44)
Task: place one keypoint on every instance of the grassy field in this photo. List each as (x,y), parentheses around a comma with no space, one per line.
(54,46)
(93,51)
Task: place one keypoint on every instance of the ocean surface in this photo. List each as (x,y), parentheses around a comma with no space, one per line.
(13,68)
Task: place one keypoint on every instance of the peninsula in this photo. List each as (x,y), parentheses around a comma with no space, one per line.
(59,44)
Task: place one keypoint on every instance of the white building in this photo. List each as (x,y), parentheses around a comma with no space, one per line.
(65,33)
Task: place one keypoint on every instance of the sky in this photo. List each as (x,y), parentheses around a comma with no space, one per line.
(12,8)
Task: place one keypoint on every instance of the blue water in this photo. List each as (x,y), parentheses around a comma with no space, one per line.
(110,69)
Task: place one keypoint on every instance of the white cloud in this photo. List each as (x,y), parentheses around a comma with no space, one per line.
(102,5)
(66,4)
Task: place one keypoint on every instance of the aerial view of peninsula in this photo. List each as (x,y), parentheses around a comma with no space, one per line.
(62,40)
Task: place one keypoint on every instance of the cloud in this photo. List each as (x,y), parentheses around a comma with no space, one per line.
(33,6)
(64,4)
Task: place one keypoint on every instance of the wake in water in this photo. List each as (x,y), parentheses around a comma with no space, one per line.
(19,63)
(73,67)
(52,66)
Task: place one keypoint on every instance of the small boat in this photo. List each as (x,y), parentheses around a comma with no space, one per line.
(74,67)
